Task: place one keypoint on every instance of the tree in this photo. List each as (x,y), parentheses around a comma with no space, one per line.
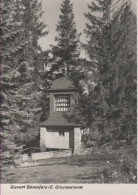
(12,45)
(66,53)
(110,105)
(97,19)
(19,91)
(97,48)
(29,14)
(123,85)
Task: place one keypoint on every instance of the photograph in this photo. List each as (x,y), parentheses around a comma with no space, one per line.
(68,93)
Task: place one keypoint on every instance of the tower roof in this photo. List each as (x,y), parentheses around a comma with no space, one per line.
(59,120)
(63,83)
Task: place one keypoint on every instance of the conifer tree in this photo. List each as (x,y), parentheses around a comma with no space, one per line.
(97,19)
(20,95)
(97,48)
(112,53)
(11,45)
(29,13)
(66,52)
(123,85)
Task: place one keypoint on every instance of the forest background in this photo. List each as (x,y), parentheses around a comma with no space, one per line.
(106,76)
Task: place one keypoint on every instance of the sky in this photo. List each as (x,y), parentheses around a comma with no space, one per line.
(51,12)
(51,9)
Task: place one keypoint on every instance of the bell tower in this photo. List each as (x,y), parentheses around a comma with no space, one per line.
(57,132)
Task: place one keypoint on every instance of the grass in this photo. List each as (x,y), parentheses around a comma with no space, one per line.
(90,168)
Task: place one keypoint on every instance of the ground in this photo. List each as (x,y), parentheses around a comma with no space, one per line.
(90,168)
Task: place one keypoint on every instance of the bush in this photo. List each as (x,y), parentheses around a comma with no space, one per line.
(124,168)
(85,138)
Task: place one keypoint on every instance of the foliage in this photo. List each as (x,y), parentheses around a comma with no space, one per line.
(19,87)
(124,168)
(123,85)
(110,106)
(97,19)
(11,34)
(29,13)
(106,83)
(66,52)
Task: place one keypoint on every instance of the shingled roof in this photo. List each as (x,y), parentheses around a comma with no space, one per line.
(58,120)
(63,83)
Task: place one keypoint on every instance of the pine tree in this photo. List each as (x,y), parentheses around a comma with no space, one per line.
(123,85)
(13,41)
(19,91)
(67,50)
(11,32)
(98,50)
(114,67)
(97,19)
(29,13)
